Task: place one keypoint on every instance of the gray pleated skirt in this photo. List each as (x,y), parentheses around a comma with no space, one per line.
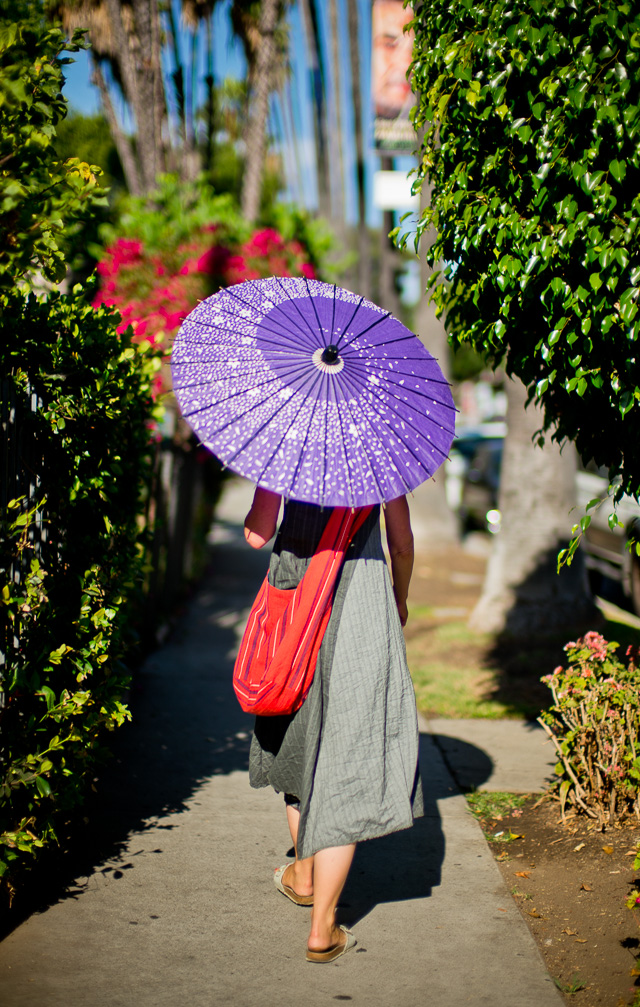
(350,753)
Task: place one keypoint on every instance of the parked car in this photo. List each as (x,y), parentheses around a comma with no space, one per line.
(476,455)
(467,442)
(607,556)
(607,553)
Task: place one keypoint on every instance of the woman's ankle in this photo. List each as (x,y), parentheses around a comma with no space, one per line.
(301,878)
(323,935)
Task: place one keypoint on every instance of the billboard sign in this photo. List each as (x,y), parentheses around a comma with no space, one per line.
(392,191)
(392,50)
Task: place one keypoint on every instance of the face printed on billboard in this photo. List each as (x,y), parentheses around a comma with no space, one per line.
(392,49)
(391,58)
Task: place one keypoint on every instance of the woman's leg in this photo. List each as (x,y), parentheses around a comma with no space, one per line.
(298,875)
(330,870)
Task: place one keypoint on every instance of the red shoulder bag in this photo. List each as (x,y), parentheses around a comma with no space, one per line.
(280,646)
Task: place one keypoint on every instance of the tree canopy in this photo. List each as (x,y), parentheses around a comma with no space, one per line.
(531,118)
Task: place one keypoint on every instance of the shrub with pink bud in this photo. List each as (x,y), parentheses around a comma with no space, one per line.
(594,724)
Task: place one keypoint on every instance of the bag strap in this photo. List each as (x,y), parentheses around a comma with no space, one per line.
(317,585)
(340,529)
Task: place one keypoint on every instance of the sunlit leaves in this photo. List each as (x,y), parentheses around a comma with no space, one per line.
(64,684)
(535,183)
(37,192)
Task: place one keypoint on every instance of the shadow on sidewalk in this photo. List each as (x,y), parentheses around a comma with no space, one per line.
(187,726)
(407,865)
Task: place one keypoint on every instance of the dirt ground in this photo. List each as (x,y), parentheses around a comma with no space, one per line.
(569,881)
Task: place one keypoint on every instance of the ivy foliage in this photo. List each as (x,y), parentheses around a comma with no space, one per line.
(531,118)
(76,405)
(39,195)
(68,556)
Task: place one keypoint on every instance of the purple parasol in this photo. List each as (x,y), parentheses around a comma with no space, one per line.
(312,391)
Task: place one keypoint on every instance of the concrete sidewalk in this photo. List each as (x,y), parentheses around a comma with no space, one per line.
(177,905)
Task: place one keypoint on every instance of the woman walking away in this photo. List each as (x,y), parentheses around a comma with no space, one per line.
(347,760)
(313,392)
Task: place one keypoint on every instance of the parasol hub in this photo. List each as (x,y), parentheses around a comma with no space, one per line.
(328,359)
(330,354)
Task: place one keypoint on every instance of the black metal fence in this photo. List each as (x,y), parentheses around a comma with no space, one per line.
(184,489)
(178,508)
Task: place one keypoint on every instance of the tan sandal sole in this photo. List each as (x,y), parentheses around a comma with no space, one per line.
(330,954)
(299,900)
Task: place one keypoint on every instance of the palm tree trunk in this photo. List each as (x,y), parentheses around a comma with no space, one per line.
(156,87)
(121,141)
(310,21)
(433,519)
(210,88)
(256,133)
(147,70)
(142,81)
(335,130)
(364,250)
(522,593)
(190,98)
(293,139)
(177,77)
(387,293)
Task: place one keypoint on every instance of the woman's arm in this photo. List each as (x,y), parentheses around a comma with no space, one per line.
(400,542)
(261,521)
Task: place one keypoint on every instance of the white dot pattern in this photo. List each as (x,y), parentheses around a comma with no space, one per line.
(369,430)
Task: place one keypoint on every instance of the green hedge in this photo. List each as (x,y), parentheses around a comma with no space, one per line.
(69,555)
(531,147)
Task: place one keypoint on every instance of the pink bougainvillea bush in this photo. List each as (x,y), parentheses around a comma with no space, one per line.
(594,723)
(170,250)
(154,291)
(267,254)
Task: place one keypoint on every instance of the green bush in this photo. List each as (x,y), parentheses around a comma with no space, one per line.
(76,407)
(594,724)
(68,557)
(531,116)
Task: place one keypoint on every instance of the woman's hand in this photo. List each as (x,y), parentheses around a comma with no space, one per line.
(403,612)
